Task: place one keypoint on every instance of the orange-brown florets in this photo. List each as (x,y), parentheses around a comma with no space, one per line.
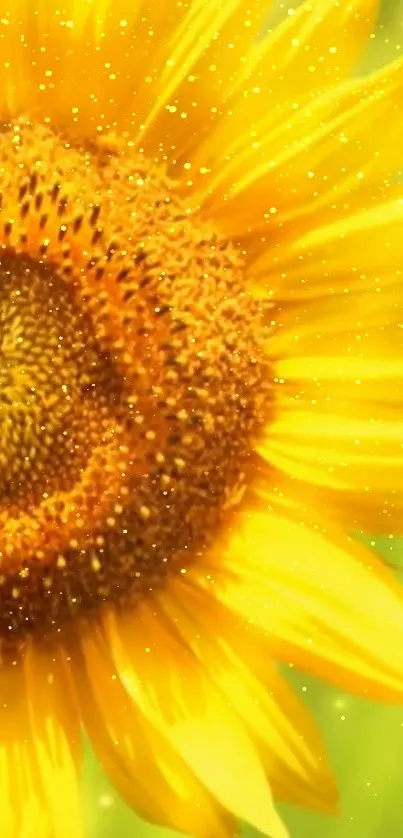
(132,376)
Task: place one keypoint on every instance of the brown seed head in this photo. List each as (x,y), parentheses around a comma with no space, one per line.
(133,379)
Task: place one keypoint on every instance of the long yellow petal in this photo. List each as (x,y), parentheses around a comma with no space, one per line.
(313,48)
(14,738)
(56,739)
(292,752)
(204,64)
(345,452)
(84,65)
(359,251)
(324,603)
(320,150)
(148,773)
(39,750)
(338,397)
(341,331)
(104,66)
(191,713)
(337,420)
(372,512)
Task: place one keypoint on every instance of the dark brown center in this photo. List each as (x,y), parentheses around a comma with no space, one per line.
(133,380)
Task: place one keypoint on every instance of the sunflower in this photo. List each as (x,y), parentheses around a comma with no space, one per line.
(201,365)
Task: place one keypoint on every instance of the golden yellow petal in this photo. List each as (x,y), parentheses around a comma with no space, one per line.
(337,417)
(311,155)
(83,65)
(290,747)
(113,66)
(349,329)
(147,772)
(205,63)
(33,813)
(320,599)
(56,737)
(12,729)
(313,48)
(338,397)
(39,750)
(267,266)
(193,716)
(354,511)
(337,451)
(237,661)
(359,251)
(144,66)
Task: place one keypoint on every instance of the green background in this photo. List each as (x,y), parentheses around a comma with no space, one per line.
(365,741)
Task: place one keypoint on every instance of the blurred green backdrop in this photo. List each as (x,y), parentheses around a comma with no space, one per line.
(365,741)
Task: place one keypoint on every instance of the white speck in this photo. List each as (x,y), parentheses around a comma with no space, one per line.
(106,800)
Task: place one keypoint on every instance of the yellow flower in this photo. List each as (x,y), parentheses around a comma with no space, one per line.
(201,366)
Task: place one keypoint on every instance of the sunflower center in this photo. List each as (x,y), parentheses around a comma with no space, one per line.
(132,375)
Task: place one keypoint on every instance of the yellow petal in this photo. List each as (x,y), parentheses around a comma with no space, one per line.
(359,251)
(237,660)
(325,148)
(13,732)
(313,48)
(337,424)
(203,65)
(83,65)
(114,66)
(347,330)
(338,397)
(325,603)
(39,749)
(179,699)
(336,450)
(147,772)
(352,510)
(56,737)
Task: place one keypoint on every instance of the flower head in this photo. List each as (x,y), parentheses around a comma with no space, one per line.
(200,400)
